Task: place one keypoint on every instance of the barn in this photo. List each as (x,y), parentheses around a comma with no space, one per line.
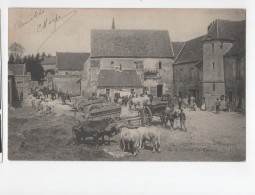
(144,54)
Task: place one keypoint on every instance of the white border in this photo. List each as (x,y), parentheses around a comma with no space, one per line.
(137,177)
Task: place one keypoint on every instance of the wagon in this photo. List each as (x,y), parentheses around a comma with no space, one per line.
(82,105)
(110,113)
(151,110)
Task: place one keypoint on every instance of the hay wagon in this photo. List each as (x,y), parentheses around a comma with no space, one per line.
(156,110)
(82,105)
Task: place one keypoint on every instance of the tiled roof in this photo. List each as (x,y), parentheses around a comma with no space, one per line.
(131,43)
(49,60)
(124,78)
(192,51)
(177,46)
(71,61)
(17,69)
(226,30)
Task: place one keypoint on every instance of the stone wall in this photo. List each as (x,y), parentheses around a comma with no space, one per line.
(65,83)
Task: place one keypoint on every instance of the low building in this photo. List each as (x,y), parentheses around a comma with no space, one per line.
(22,78)
(111,81)
(188,71)
(224,62)
(49,63)
(141,51)
(69,71)
(13,96)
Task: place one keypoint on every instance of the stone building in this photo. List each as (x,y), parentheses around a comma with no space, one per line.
(224,62)
(69,71)
(22,78)
(49,65)
(187,70)
(148,53)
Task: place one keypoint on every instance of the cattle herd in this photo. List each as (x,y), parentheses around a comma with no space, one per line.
(131,139)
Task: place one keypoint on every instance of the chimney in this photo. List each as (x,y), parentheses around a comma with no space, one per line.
(113,24)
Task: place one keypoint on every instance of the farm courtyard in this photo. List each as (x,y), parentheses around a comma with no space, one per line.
(210,137)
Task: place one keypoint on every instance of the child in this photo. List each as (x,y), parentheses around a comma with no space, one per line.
(183,120)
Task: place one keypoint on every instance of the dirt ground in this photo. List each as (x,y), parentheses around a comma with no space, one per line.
(210,137)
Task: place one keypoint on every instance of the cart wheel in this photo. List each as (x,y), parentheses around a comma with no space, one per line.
(80,107)
(147,115)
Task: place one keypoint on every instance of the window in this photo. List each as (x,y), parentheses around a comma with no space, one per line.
(139,65)
(181,74)
(112,62)
(120,67)
(191,76)
(213,86)
(108,91)
(221,45)
(213,66)
(132,91)
(230,96)
(159,65)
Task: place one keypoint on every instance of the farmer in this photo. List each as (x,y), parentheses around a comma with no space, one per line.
(180,102)
(183,120)
(21,96)
(217,105)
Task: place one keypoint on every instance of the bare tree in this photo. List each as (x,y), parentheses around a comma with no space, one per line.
(17,51)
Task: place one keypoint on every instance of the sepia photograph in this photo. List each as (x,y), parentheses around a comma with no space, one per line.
(126,84)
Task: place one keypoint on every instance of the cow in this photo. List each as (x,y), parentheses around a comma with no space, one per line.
(136,102)
(33,101)
(44,107)
(169,116)
(151,134)
(130,138)
(90,128)
(50,106)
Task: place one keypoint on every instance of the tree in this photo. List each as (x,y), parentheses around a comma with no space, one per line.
(33,65)
(17,51)
(43,56)
(11,59)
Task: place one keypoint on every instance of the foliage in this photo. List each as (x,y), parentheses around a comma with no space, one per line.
(17,51)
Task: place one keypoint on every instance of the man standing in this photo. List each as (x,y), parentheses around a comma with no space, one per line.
(180,102)
(183,120)
(217,105)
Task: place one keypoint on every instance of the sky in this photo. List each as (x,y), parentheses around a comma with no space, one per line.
(68,30)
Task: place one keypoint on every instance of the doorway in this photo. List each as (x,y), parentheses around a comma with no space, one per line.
(192,92)
(159,90)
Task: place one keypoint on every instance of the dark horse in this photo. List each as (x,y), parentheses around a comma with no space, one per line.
(64,97)
(169,116)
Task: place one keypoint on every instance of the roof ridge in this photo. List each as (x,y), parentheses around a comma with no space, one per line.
(180,51)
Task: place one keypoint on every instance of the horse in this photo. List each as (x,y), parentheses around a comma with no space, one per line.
(169,116)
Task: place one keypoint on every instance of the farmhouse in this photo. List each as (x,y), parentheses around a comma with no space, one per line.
(224,63)
(147,54)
